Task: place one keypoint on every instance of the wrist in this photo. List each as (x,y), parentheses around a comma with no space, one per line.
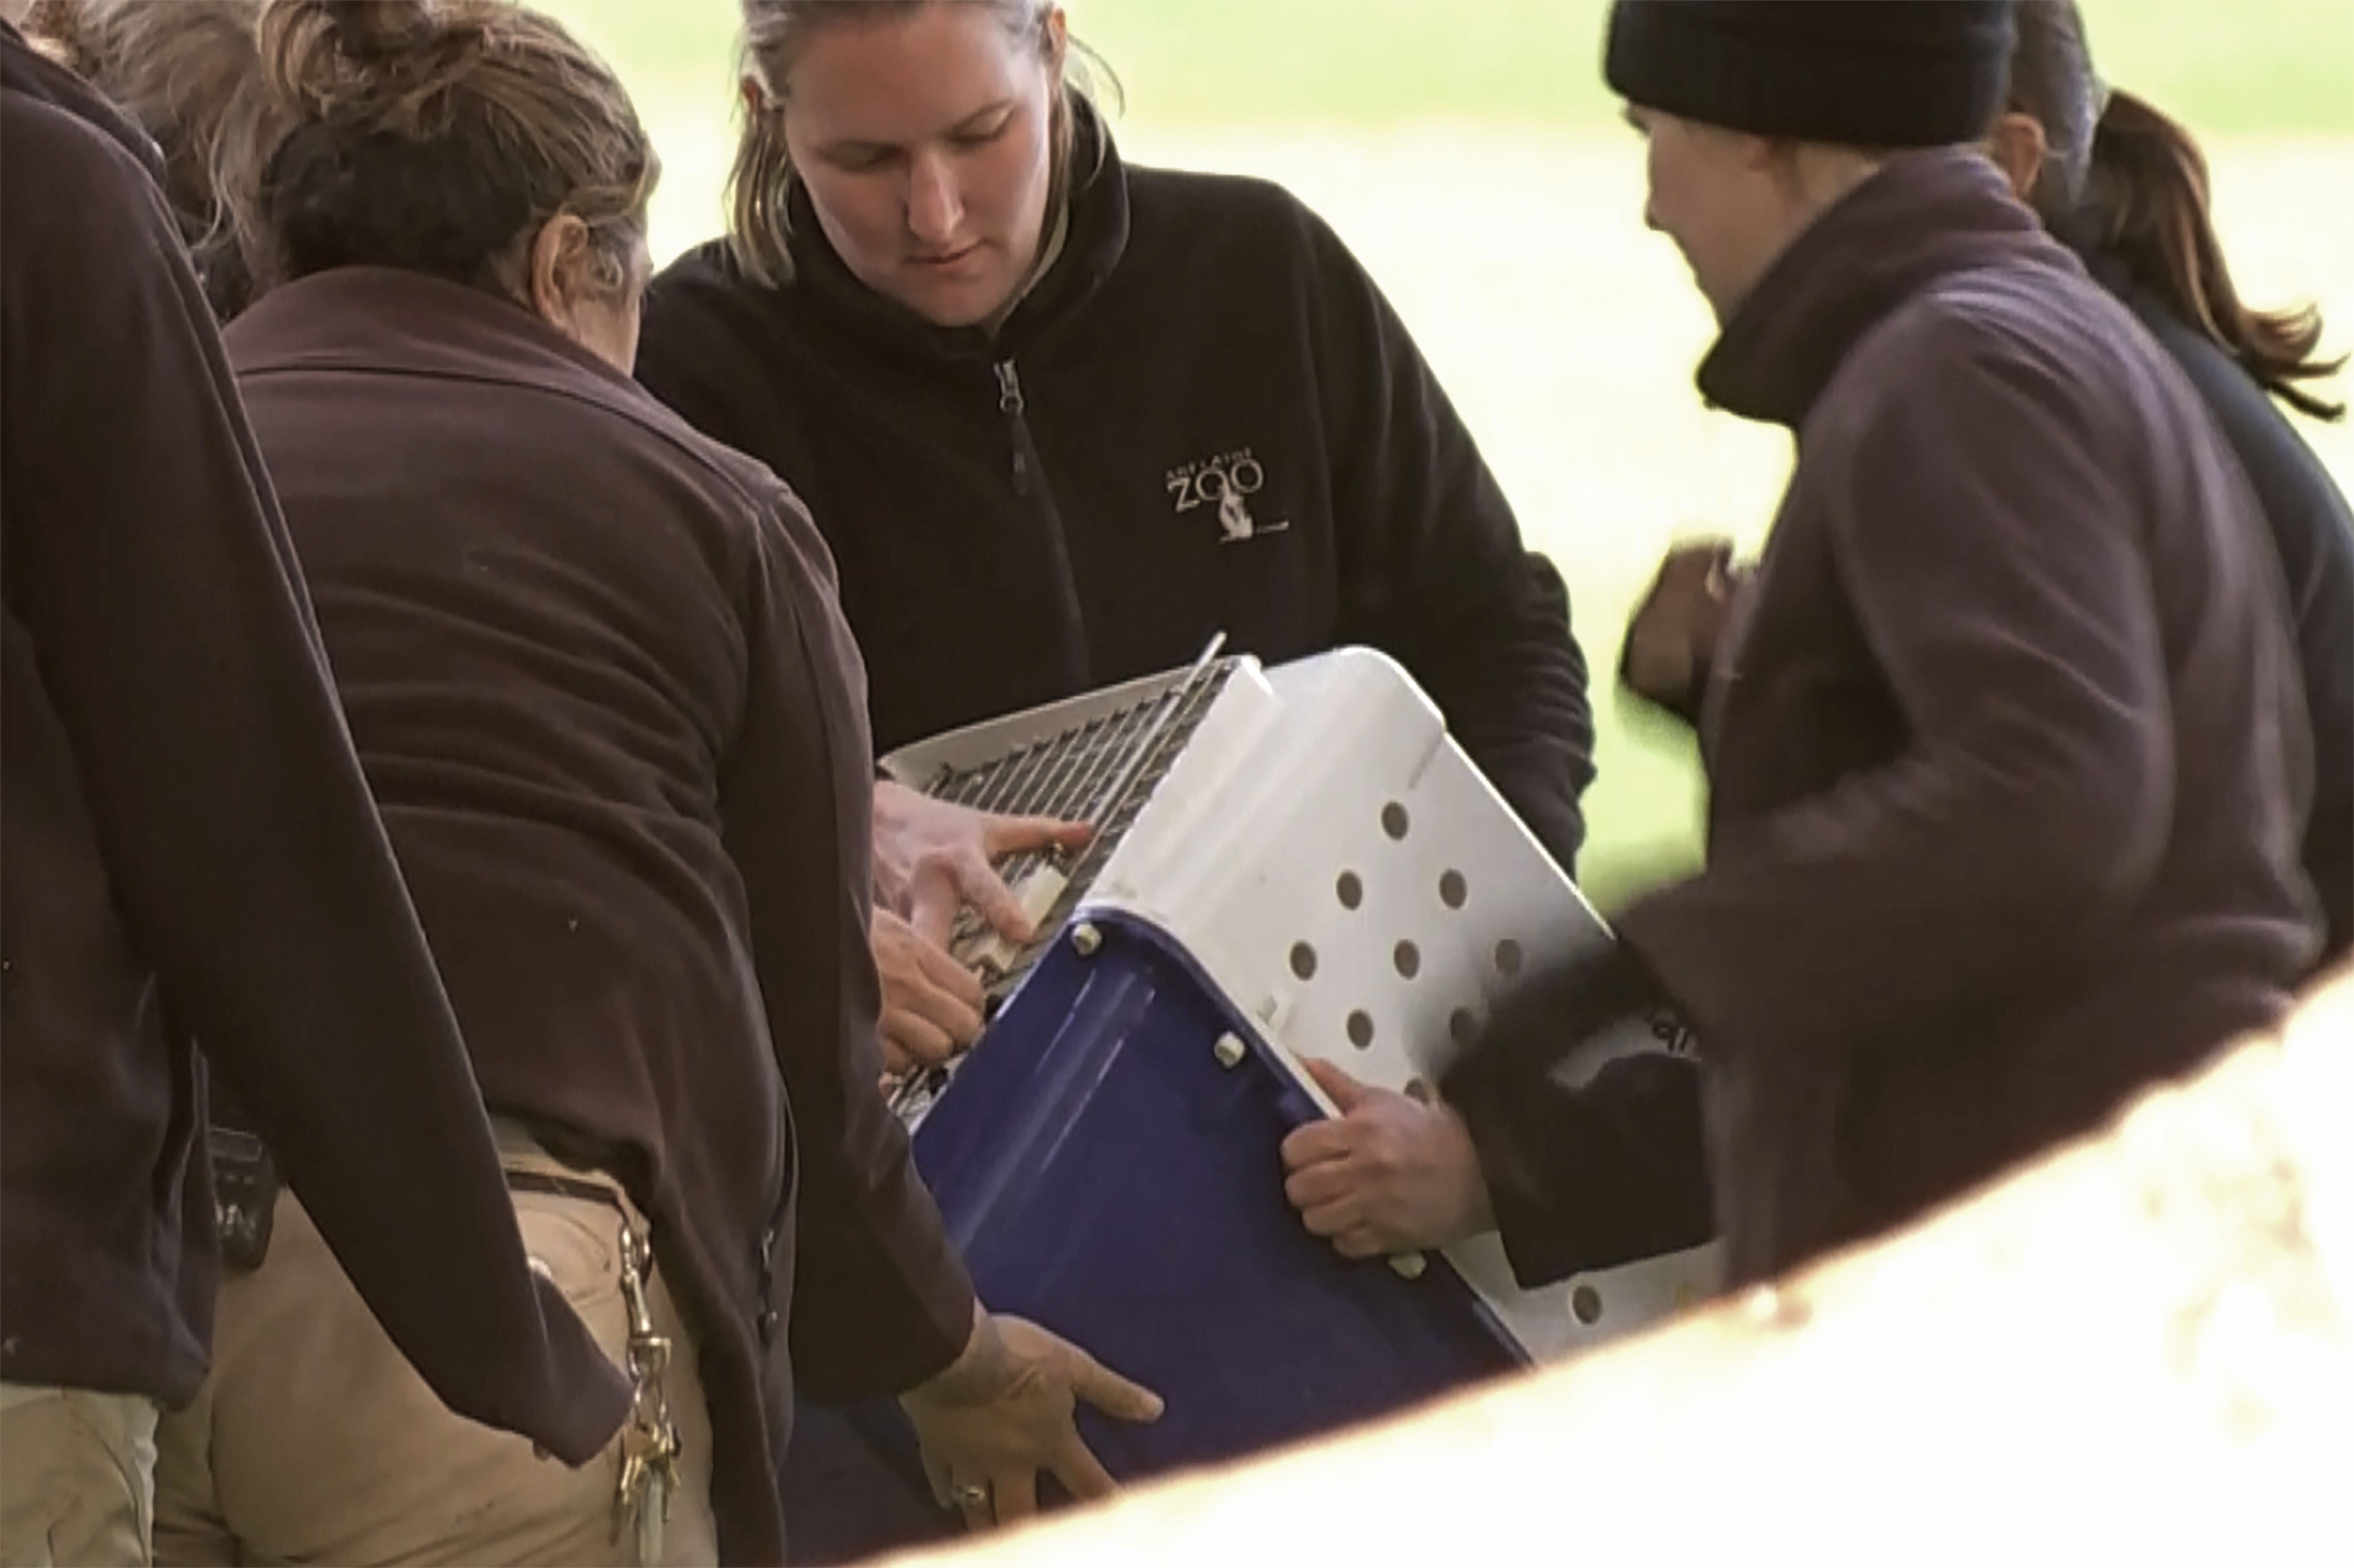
(971,1376)
(1475,1211)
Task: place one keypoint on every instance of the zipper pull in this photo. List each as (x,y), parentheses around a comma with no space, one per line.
(1009,403)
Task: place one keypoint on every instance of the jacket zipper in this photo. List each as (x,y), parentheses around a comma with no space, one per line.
(1073,636)
(1009,403)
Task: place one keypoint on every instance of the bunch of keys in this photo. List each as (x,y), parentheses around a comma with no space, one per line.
(650,1442)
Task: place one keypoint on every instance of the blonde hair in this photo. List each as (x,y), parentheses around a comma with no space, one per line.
(760,181)
(440,136)
(187,73)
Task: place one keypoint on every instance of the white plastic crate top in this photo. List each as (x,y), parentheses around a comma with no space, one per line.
(1339,868)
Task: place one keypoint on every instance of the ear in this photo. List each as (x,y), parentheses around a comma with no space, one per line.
(753,96)
(1056,29)
(2016,142)
(552,278)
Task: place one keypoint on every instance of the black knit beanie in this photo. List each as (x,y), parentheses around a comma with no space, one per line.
(1858,73)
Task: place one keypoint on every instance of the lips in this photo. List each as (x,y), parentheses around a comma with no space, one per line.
(948,261)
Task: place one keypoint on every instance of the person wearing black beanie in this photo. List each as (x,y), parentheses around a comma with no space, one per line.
(2007,754)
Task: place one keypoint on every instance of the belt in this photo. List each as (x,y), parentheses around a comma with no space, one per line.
(551,1186)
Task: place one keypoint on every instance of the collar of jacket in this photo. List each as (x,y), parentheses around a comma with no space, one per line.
(1922,217)
(1096,238)
(386,319)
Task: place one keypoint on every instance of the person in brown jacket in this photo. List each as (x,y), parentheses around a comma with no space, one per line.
(2007,759)
(599,680)
(187,830)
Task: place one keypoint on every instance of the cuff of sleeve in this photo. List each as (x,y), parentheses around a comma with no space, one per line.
(1552,1015)
(895,1355)
(1594,1177)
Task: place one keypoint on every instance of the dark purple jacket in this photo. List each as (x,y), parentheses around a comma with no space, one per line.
(2008,761)
(185,828)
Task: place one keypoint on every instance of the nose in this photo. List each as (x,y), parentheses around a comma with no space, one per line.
(934,207)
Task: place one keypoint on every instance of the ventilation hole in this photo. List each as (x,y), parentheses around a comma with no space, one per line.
(1508,958)
(1462,1024)
(1360,1029)
(1453,890)
(1408,959)
(1585,1305)
(1394,821)
(1418,1090)
(1350,889)
(1303,960)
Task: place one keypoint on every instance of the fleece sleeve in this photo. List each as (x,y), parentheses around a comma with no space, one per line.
(880,1300)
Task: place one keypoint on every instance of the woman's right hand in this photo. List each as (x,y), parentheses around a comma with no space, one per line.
(1006,1410)
(1672,641)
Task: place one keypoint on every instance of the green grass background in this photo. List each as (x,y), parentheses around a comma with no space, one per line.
(2233,67)
(1468,151)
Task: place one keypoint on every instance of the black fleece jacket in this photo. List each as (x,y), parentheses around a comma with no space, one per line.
(2312,530)
(1205,417)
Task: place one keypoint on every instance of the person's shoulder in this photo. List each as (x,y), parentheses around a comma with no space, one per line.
(742,481)
(30,80)
(708,323)
(2039,326)
(1245,216)
(77,174)
(82,219)
(706,279)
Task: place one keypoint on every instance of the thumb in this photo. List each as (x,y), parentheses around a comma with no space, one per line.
(1345,1092)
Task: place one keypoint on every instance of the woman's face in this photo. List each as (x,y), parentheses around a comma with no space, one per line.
(1711,192)
(925,139)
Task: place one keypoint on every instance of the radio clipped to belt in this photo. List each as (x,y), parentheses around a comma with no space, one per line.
(649,1441)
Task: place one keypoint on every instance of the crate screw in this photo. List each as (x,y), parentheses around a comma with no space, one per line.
(1085,939)
(1230,1050)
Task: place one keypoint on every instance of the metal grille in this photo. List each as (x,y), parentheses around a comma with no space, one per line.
(1103,772)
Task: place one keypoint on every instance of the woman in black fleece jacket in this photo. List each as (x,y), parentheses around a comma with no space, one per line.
(1061,420)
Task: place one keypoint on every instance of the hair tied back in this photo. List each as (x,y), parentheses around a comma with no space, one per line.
(383,64)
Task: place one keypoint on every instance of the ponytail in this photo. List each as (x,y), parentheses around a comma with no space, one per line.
(2147,190)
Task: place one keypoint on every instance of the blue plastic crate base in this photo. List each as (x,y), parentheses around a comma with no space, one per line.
(1109,1169)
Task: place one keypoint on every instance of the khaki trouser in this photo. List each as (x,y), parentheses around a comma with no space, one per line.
(77,1478)
(314,1440)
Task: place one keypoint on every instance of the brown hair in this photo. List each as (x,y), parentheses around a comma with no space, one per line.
(2125,178)
(760,182)
(438,136)
(187,73)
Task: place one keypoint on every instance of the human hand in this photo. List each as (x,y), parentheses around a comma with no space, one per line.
(1672,640)
(1392,1173)
(932,858)
(931,1004)
(1005,1411)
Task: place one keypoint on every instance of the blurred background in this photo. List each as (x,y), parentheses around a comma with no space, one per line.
(1468,152)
